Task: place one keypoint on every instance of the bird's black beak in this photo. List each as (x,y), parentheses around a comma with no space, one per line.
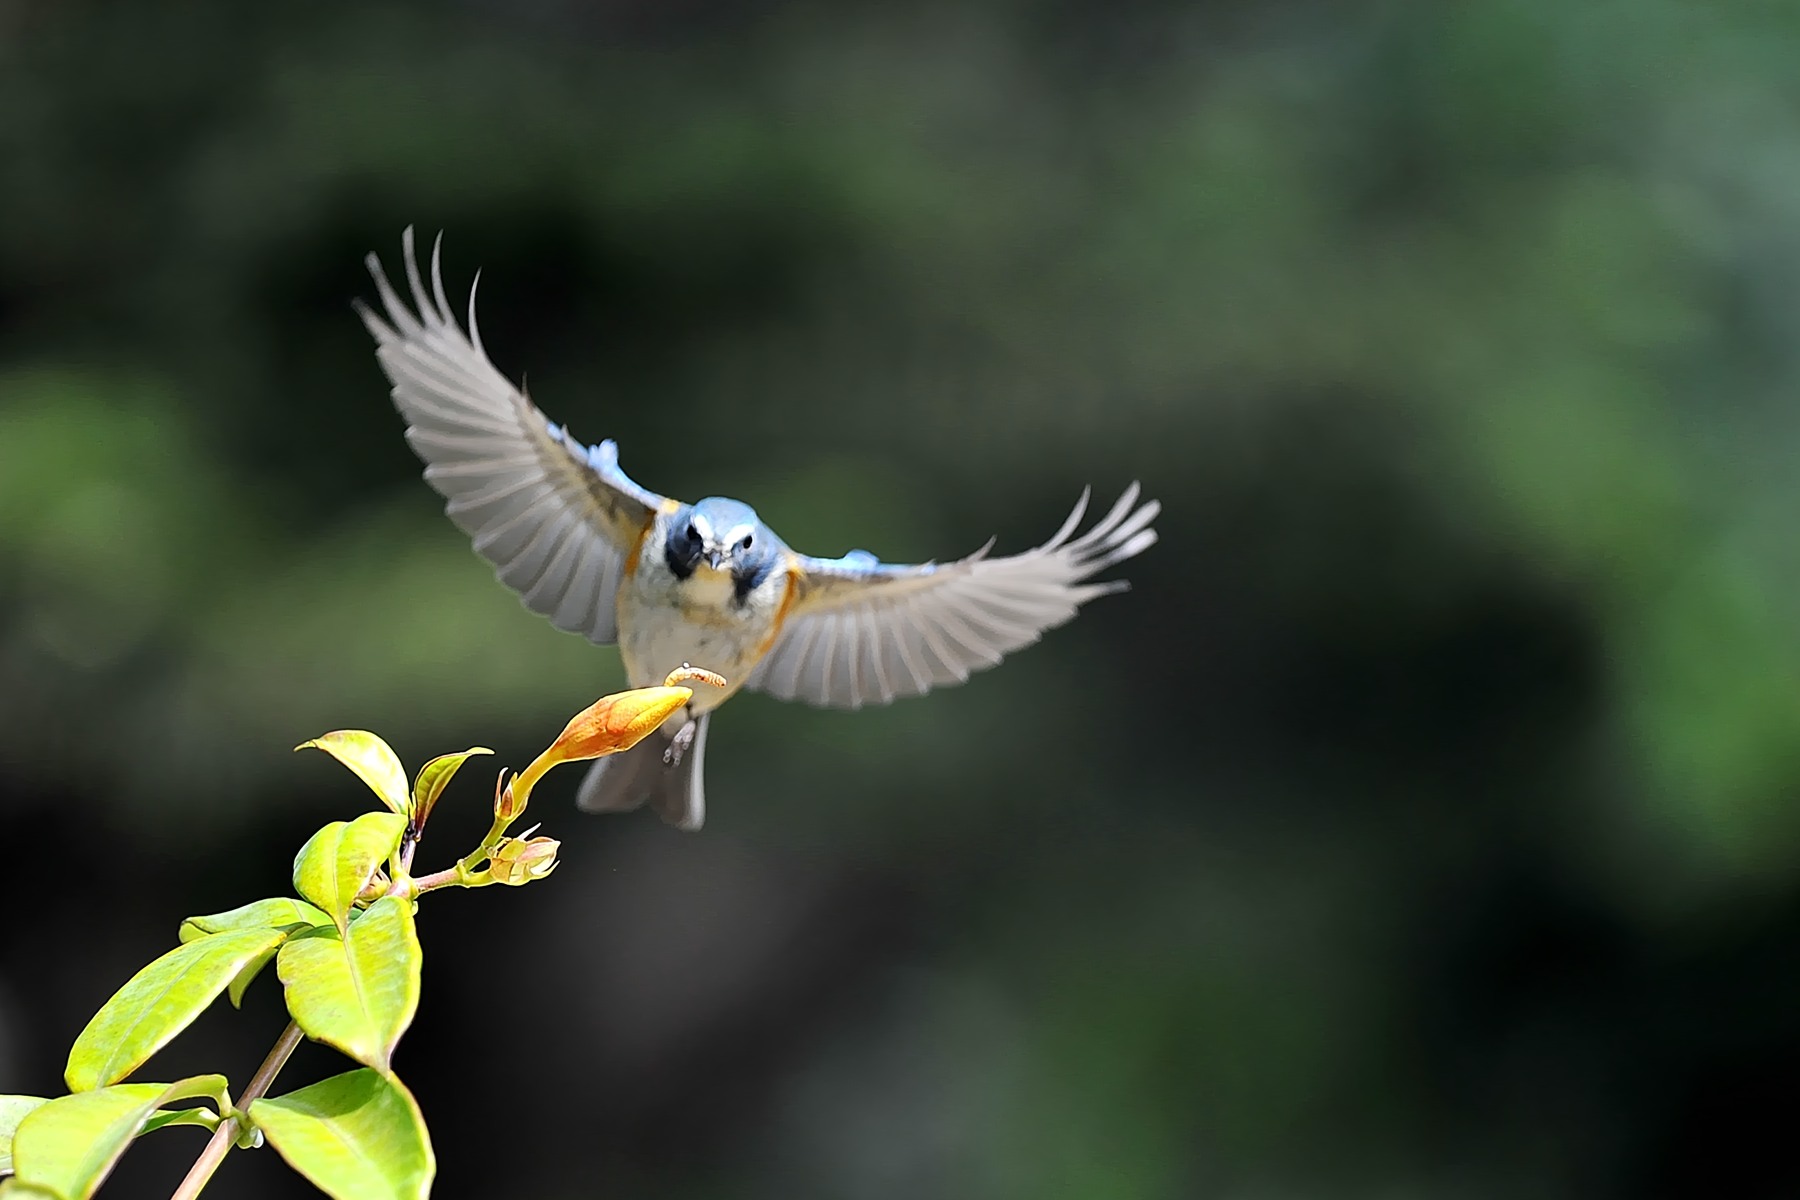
(715,557)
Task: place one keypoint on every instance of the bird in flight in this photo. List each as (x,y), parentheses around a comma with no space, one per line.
(706,584)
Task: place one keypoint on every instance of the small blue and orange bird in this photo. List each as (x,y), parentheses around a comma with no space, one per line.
(706,584)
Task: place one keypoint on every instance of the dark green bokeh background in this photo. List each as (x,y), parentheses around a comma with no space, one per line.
(1422,823)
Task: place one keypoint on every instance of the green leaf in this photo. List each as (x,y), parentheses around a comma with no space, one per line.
(373,761)
(338,861)
(158,1003)
(277,912)
(356,1136)
(240,983)
(12,1189)
(280,912)
(12,1111)
(434,776)
(205,1118)
(69,1144)
(357,991)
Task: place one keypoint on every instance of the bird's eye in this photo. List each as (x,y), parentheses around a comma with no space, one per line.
(693,534)
(746,542)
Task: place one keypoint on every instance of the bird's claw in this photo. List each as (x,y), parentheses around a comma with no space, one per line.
(679,744)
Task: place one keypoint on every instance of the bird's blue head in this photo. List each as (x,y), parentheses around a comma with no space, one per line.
(725,535)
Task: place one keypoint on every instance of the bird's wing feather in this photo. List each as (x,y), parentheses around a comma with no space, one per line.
(558,519)
(864,632)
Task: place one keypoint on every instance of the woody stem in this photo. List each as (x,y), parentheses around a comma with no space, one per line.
(223,1137)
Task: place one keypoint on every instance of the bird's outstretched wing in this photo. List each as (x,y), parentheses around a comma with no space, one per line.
(859,631)
(557,519)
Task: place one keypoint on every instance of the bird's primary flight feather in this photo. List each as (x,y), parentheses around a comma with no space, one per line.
(599,555)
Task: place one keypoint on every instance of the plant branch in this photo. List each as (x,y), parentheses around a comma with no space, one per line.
(460,875)
(227,1132)
(448,877)
(409,842)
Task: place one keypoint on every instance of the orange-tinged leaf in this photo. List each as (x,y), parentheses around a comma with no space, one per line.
(607,726)
(434,776)
(373,760)
(617,722)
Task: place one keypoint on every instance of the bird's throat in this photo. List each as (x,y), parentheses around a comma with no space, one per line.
(708,589)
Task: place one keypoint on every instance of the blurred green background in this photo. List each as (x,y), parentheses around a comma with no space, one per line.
(1422,823)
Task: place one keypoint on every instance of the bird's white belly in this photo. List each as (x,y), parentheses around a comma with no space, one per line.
(665,624)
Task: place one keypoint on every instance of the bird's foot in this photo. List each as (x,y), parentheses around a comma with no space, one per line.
(680,743)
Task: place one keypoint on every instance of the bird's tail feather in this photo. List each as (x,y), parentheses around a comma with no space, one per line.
(676,792)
